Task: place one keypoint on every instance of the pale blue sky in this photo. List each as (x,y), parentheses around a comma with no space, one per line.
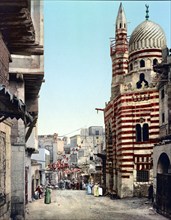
(77,59)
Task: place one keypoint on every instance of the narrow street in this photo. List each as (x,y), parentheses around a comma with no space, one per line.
(76,205)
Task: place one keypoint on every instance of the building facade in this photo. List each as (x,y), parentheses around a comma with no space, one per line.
(20,82)
(132,114)
(85,150)
(55,146)
(162,150)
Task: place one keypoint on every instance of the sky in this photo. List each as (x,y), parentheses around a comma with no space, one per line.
(77,63)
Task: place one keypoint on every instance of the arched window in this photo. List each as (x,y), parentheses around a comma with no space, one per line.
(142,80)
(145,132)
(142,133)
(138,133)
(131,66)
(142,63)
(109,135)
(155,61)
(120,25)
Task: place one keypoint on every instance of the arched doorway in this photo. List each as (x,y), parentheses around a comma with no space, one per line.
(163,199)
(163,164)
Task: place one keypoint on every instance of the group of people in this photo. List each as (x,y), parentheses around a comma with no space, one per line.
(94,189)
(71,184)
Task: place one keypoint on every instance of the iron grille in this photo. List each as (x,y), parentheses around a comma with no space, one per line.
(142,175)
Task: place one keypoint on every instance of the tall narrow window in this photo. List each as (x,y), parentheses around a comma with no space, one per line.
(145,132)
(155,61)
(162,94)
(142,63)
(138,133)
(131,66)
(110,135)
(96,132)
(163,117)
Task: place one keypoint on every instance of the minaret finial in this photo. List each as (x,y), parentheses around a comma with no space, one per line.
(147,11)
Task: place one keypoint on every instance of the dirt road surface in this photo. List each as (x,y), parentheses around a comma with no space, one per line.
(76,205)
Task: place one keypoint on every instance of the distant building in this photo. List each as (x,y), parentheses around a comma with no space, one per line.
(84,150)
(43,158)
(55,146)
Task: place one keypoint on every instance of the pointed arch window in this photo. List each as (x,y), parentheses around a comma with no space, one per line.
(162,94)
(155,61)
(142,80)
(131,66)
(138,133)
(145,132)
(142,132)
(142,63)
(109,135)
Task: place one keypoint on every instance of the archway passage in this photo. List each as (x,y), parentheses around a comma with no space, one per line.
(163,198)
(163,164)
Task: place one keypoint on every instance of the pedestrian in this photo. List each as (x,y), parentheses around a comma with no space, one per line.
(150,193)
(96,190)
(40,191)
(89,189)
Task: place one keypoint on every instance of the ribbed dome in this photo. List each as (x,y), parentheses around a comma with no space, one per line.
(147,35)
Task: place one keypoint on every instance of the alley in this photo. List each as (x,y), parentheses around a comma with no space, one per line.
(76,205)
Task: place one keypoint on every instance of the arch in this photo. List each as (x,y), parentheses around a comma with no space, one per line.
(138,132)
(155,61)
(163,164)
(148,63)
(142,63)
(145,132)
(131,66)
(142,80)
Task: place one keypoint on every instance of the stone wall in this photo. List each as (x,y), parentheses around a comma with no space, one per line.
(5,205)
(4,62)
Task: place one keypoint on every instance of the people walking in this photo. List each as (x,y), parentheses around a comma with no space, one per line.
(96,190)
(39,191)
(150,193)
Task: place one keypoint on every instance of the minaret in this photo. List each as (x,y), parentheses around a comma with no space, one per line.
(119,52)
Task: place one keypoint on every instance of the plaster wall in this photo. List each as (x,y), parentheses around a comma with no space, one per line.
(5,210)
(157,151)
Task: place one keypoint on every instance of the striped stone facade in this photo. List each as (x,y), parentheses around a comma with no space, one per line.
(132,114)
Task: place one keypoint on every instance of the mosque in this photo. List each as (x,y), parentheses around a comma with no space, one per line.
(132,114)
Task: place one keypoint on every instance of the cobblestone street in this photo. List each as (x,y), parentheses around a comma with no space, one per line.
(76,205)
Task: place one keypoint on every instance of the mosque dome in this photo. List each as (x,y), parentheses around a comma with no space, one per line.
(147,35)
